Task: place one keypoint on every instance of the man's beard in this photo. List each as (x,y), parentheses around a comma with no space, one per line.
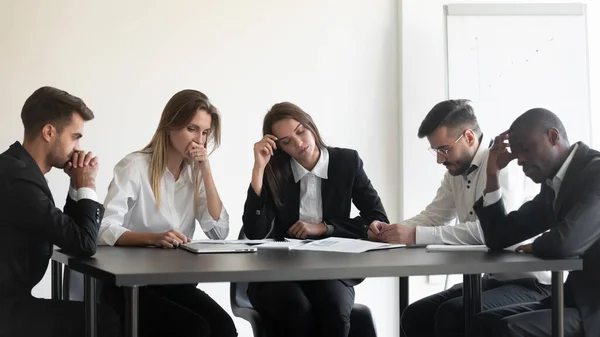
(463,165)
(59,162)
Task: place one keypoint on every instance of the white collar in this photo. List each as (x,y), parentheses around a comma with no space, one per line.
(484,147)
(320,169)
(560,175)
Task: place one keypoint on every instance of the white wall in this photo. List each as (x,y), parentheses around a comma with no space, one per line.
(337,59)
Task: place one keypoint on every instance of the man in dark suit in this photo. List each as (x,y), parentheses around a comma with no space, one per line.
(30,224)
(567,209)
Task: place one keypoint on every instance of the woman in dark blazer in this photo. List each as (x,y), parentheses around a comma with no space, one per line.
(302,189)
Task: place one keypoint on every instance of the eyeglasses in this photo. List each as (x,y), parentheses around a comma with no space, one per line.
(444,150)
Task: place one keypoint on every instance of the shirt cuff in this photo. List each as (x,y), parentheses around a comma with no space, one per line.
(87,193)
(83,193)
(110,234)
(492,197)
(72,193)
(329,229)
(427,235)
(207,222)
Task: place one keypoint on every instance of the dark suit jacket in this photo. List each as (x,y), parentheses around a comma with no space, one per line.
(30,225)
(574,229)
(347,183)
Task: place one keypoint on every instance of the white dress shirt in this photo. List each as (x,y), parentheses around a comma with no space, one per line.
(311,200)
(450,218)
(556,182)
(130,204)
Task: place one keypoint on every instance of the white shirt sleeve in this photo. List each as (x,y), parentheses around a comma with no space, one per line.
(514,189)
(73,193)
(441,211)
(214,229)
(492,197)
(83,193)
(122,191)
(433,225)
(468,233)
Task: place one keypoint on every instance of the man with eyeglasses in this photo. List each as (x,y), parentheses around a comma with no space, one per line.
(458,143)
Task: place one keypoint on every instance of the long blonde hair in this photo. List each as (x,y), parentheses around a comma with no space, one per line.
(177,114)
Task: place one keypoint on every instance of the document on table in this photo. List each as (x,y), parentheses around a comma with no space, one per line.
(457,248)
(343,245)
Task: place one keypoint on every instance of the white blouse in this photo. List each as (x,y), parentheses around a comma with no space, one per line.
(311,203)
(130,204)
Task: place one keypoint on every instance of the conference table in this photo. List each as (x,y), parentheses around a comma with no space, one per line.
(132,267)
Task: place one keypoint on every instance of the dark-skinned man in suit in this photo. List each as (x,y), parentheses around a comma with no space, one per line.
(567,211)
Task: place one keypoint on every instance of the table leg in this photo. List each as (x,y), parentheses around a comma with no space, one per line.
(89,299)
(57,279)
(131,311)
(471,300)
(558,329)
(402,300)
(66,287)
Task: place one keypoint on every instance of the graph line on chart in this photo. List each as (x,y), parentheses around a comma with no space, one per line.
(514,64)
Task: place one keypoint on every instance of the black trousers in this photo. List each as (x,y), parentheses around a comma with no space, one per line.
(31,317)
(442,314)
(527,320)
(303,309)
(174,310)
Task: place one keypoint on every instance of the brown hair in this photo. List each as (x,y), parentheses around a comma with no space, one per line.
(178,112)
(49,105)
(278,169)
(455,114)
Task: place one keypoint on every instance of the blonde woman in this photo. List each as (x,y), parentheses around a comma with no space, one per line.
(155,198)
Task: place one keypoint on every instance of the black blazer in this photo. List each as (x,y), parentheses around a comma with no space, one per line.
(30,225)
(574,230)
(346,183)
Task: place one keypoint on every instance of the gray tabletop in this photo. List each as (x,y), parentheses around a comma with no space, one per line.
(143,266)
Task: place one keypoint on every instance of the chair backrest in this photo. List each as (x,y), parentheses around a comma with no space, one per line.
(238,296)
